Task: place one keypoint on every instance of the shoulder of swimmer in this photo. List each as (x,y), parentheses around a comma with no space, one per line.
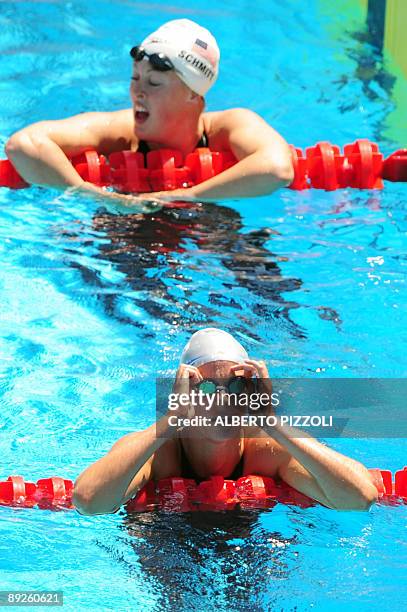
(263,455)
(217,124)
(166,462)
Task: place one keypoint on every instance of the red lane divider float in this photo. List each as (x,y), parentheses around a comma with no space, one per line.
(395,167)
(185,495)
(53,492)
(125,170)
(323,166)
(360,166)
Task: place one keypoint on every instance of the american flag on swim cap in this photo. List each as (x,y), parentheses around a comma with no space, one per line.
(204,50)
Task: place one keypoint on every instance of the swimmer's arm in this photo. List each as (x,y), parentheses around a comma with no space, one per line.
(109,482)
(264,164)
(323,474)
(39,151)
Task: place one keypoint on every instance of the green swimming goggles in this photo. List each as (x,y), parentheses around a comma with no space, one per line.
(236,384)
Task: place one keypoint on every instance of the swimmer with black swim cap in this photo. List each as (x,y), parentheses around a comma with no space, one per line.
(173,69)
(214,360)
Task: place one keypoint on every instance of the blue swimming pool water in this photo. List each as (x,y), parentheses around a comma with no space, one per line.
(95,305)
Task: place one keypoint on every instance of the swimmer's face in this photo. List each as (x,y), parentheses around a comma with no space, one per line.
(220,372)
(159,100)
(217,370)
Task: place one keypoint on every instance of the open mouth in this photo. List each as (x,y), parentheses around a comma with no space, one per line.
(141,116)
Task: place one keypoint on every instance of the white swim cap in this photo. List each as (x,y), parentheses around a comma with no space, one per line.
(212,344)
(191,48)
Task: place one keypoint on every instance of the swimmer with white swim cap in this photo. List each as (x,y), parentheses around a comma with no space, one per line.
(173,68)
(213,361)
(211,344)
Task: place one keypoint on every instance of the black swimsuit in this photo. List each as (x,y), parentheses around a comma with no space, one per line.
(144,148)
(188,472)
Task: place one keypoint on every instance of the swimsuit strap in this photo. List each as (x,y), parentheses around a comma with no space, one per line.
(144,148)
(188,472)
(203,142)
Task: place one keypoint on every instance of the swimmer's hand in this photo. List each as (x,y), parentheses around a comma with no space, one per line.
(183,195)
(257,370)
(130,203)
(186,377)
